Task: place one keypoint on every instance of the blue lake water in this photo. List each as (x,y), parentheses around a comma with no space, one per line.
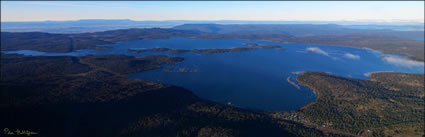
(262,79)
(385,27)
(420,39)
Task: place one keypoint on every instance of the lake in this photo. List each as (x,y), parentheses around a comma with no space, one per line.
(420,39)
(262,79)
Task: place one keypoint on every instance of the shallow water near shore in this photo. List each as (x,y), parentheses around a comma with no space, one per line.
(262,79)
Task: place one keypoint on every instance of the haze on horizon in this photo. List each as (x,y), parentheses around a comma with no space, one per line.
(213,10)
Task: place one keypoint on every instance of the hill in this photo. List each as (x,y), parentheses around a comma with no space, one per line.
(390,104)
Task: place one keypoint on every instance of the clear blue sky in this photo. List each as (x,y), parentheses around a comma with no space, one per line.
(211,10)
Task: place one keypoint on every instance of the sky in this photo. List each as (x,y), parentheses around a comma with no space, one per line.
(212,10)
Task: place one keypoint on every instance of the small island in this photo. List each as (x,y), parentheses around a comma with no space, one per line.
(264,46)
(205,51)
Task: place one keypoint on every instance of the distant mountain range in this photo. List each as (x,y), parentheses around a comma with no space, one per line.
(94,25)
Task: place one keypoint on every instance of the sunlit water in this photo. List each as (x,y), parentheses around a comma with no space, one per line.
(262,79)
(419,39)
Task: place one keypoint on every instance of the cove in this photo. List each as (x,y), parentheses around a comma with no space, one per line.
(261,79)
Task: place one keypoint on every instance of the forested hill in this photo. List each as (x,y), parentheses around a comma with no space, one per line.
(297,30)
(277,29)
(390,104)
(48,42)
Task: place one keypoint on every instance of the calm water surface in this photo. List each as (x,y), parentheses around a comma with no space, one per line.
(420,39)
(262,79)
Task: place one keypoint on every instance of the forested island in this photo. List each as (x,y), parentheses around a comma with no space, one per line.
(205,51)
(264,46)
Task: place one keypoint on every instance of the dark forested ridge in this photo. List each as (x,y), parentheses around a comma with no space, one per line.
(56,79)
(207,51)
(390,104)
(47,42)
(86,96)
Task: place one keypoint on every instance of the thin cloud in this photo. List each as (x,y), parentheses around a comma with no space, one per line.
(351,56)
(402,61)
(104,5)
(372,51)
(370,73)
(317,50)
(64,4)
